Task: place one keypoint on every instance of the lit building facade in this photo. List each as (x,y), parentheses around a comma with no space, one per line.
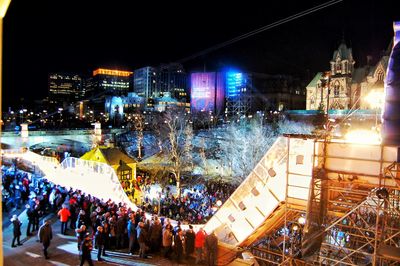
(144,81)
(238,93)
(348,87)
(109,82)
(207,92)
(172,79)
(119,106)
(63,87)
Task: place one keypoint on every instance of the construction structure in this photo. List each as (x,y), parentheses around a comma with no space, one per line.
(318,200)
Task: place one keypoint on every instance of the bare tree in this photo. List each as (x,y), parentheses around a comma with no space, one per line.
(139,127)
(243,144)
(180,135)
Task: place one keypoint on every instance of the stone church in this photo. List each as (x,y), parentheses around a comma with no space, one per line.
(348,86)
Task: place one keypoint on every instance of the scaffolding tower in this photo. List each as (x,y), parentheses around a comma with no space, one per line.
(350,218)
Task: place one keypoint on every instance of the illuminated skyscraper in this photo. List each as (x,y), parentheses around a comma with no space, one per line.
(144,81)
(109,82)
(65,87)
(238,90)
(172,78)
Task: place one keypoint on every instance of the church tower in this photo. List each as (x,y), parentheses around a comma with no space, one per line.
(342,67)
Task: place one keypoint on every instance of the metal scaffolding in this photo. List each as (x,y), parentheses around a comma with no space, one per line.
(348,221)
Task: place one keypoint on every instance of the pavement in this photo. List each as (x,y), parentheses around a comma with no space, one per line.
(63,248)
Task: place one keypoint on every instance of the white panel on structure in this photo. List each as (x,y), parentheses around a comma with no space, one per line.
(241,228)
(390,154)
(353,166)
(299,180)
(298,192)
(302,149)
(265,202)
(350,150)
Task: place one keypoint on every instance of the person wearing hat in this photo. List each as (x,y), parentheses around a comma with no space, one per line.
(16,230)
(86,250)
(45,235)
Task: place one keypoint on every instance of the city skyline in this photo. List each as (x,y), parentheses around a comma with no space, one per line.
(78,38)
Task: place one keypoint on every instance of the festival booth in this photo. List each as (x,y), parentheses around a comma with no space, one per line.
(123,165)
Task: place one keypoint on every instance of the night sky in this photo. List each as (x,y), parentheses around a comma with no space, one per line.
(77,36)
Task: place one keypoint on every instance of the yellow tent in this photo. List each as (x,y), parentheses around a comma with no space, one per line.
(123,165)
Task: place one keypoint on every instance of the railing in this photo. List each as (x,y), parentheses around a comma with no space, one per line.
(97,179)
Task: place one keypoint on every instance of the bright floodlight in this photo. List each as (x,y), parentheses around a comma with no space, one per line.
(375,99)
(363,137)
(302,220)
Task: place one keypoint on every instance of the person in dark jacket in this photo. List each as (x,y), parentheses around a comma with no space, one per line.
(142,239)
(131,228)
(16,230)
(99,242)
(31,219)
(189,241)
(211,245)
(86,250)
(179,244)
(155,235)
(45,235)
(80,235)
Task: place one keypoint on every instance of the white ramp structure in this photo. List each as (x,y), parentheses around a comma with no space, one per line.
(283,184)
(284,173)
(94,178)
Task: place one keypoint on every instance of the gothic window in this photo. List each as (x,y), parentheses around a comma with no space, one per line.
(336,89)
(380,75)
(338,68)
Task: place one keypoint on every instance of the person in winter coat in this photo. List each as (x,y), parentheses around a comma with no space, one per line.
(142,239)
(189,241)
(86,250)
(99,242)
(16,230)
(64,214)
(211,245)
(167,240)
(45,235)
(199,244)
(155,235)
(131,228)
(80,234)
(31,219)
(179,244)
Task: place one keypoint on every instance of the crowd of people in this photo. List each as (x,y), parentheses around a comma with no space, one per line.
(107,225)
(197,204)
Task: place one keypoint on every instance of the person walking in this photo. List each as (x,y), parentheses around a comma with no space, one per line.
(64,214)
(45,235)
(199,244)
(211,245)
(99,242)
(16,230)
(86,250)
